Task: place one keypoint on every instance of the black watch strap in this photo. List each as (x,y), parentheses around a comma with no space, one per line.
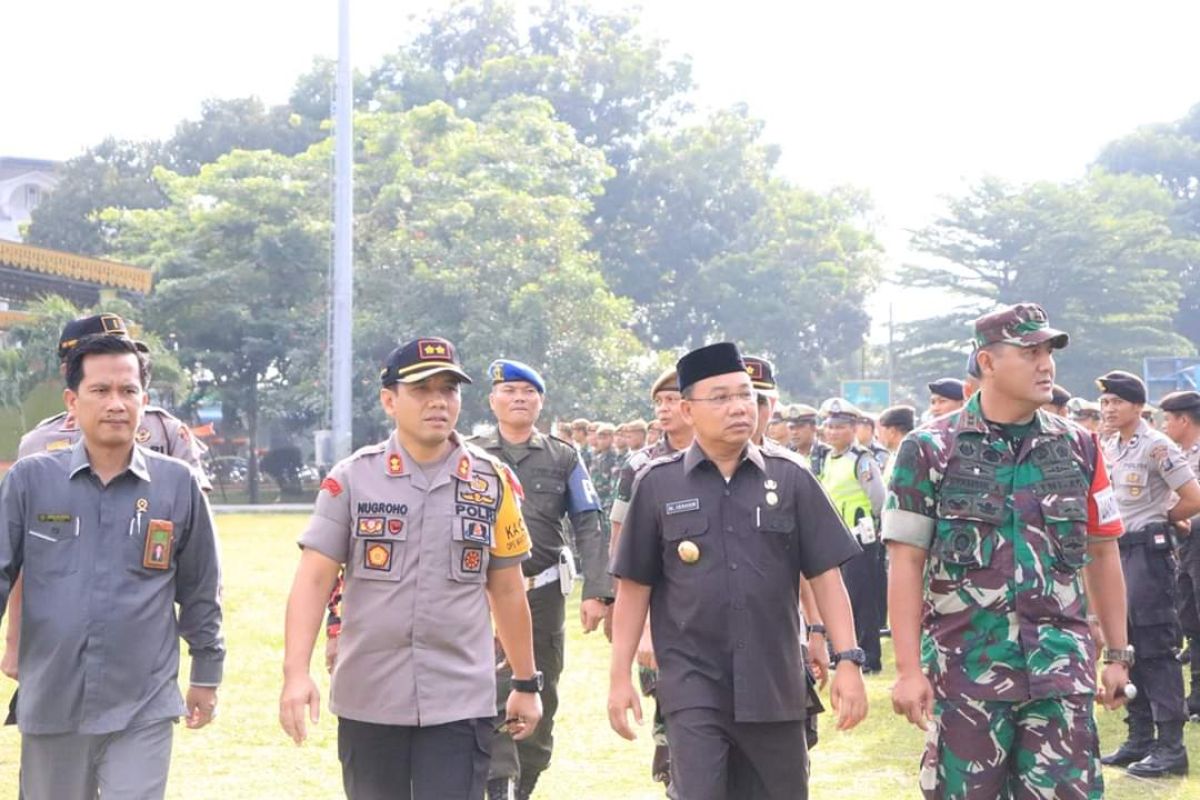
(816,627)
(531,685)
(854,655)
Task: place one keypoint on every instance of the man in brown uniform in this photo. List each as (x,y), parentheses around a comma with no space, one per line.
(714,544)
(430,532)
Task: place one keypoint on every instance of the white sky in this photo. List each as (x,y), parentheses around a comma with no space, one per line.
(911,100)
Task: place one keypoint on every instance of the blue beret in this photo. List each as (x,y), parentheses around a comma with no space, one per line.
(949,388)
(505,370)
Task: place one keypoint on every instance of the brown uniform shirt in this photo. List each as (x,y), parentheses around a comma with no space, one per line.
(726,625)
(416,637)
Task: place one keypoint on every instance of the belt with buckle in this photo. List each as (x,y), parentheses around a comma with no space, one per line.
(543,578)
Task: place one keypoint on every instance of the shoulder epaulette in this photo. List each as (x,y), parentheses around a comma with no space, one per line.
(787,455)
(368,450)
(666,458)
(483,455)
(561,440)
(54,418)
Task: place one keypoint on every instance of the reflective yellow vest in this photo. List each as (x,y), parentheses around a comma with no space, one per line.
(840,479)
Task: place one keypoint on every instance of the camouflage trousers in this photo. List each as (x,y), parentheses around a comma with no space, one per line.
(1040,749)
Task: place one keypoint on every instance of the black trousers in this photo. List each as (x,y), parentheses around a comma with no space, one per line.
(407,762)
(547,608)
(715,758)
(866,587)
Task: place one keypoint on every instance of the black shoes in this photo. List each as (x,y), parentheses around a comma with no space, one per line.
(1163,760)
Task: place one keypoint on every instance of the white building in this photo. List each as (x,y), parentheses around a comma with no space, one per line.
(24,182)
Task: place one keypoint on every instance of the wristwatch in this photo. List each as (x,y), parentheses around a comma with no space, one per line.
(1123,655)
(816,627)
(532,685)
(855,655)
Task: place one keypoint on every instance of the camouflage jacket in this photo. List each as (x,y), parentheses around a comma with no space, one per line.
(1007,532)
(606,468)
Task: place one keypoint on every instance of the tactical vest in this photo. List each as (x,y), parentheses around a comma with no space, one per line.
(840,478)
(972,503)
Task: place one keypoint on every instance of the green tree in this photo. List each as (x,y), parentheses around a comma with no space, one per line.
(1170,154)
(474,230)
(240,255)
(1098,253)
(113,174)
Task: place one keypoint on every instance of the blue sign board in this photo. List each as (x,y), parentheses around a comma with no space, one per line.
(868,395)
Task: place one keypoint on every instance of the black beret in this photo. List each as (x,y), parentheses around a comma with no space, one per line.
(1181,401)
(721,358)
(949,388)
(1124,385)
(899,417)
(1061,396)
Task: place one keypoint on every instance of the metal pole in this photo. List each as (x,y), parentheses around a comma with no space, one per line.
(341,373)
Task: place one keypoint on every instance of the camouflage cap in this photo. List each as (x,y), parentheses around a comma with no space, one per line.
(1021,325)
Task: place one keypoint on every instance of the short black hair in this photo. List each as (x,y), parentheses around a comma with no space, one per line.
(104,345)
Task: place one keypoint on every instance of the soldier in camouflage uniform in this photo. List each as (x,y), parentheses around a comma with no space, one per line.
(606,466)
(995,515)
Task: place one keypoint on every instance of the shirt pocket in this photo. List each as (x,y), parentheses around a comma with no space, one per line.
(470,542)
(685,541)
(1065,519)
(965,535)
(51,551)
(378,546)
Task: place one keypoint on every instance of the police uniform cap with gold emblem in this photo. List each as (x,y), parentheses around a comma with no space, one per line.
(77,330)
(1125,385)
(506,370)
(420,359)
(801,414)
(836,409)
(1179,402)
(762,376)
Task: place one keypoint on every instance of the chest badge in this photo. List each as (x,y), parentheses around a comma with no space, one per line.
(689,552)
(143,505)
(772,499)
(142,436)
(770,485)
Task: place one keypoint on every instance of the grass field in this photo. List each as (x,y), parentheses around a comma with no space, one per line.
(246,755)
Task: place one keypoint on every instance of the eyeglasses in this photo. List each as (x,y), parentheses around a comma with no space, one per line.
(722,400)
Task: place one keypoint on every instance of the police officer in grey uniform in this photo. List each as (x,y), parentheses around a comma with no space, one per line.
(1147,468)
(159,431)
(714,544)
(557,486)
(1182,424)
(111,539)
(430,532)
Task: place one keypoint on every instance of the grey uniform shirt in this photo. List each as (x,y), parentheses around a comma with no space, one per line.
(1145,471)
(99,634)
(159,431)
(726,627)
(416,643)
